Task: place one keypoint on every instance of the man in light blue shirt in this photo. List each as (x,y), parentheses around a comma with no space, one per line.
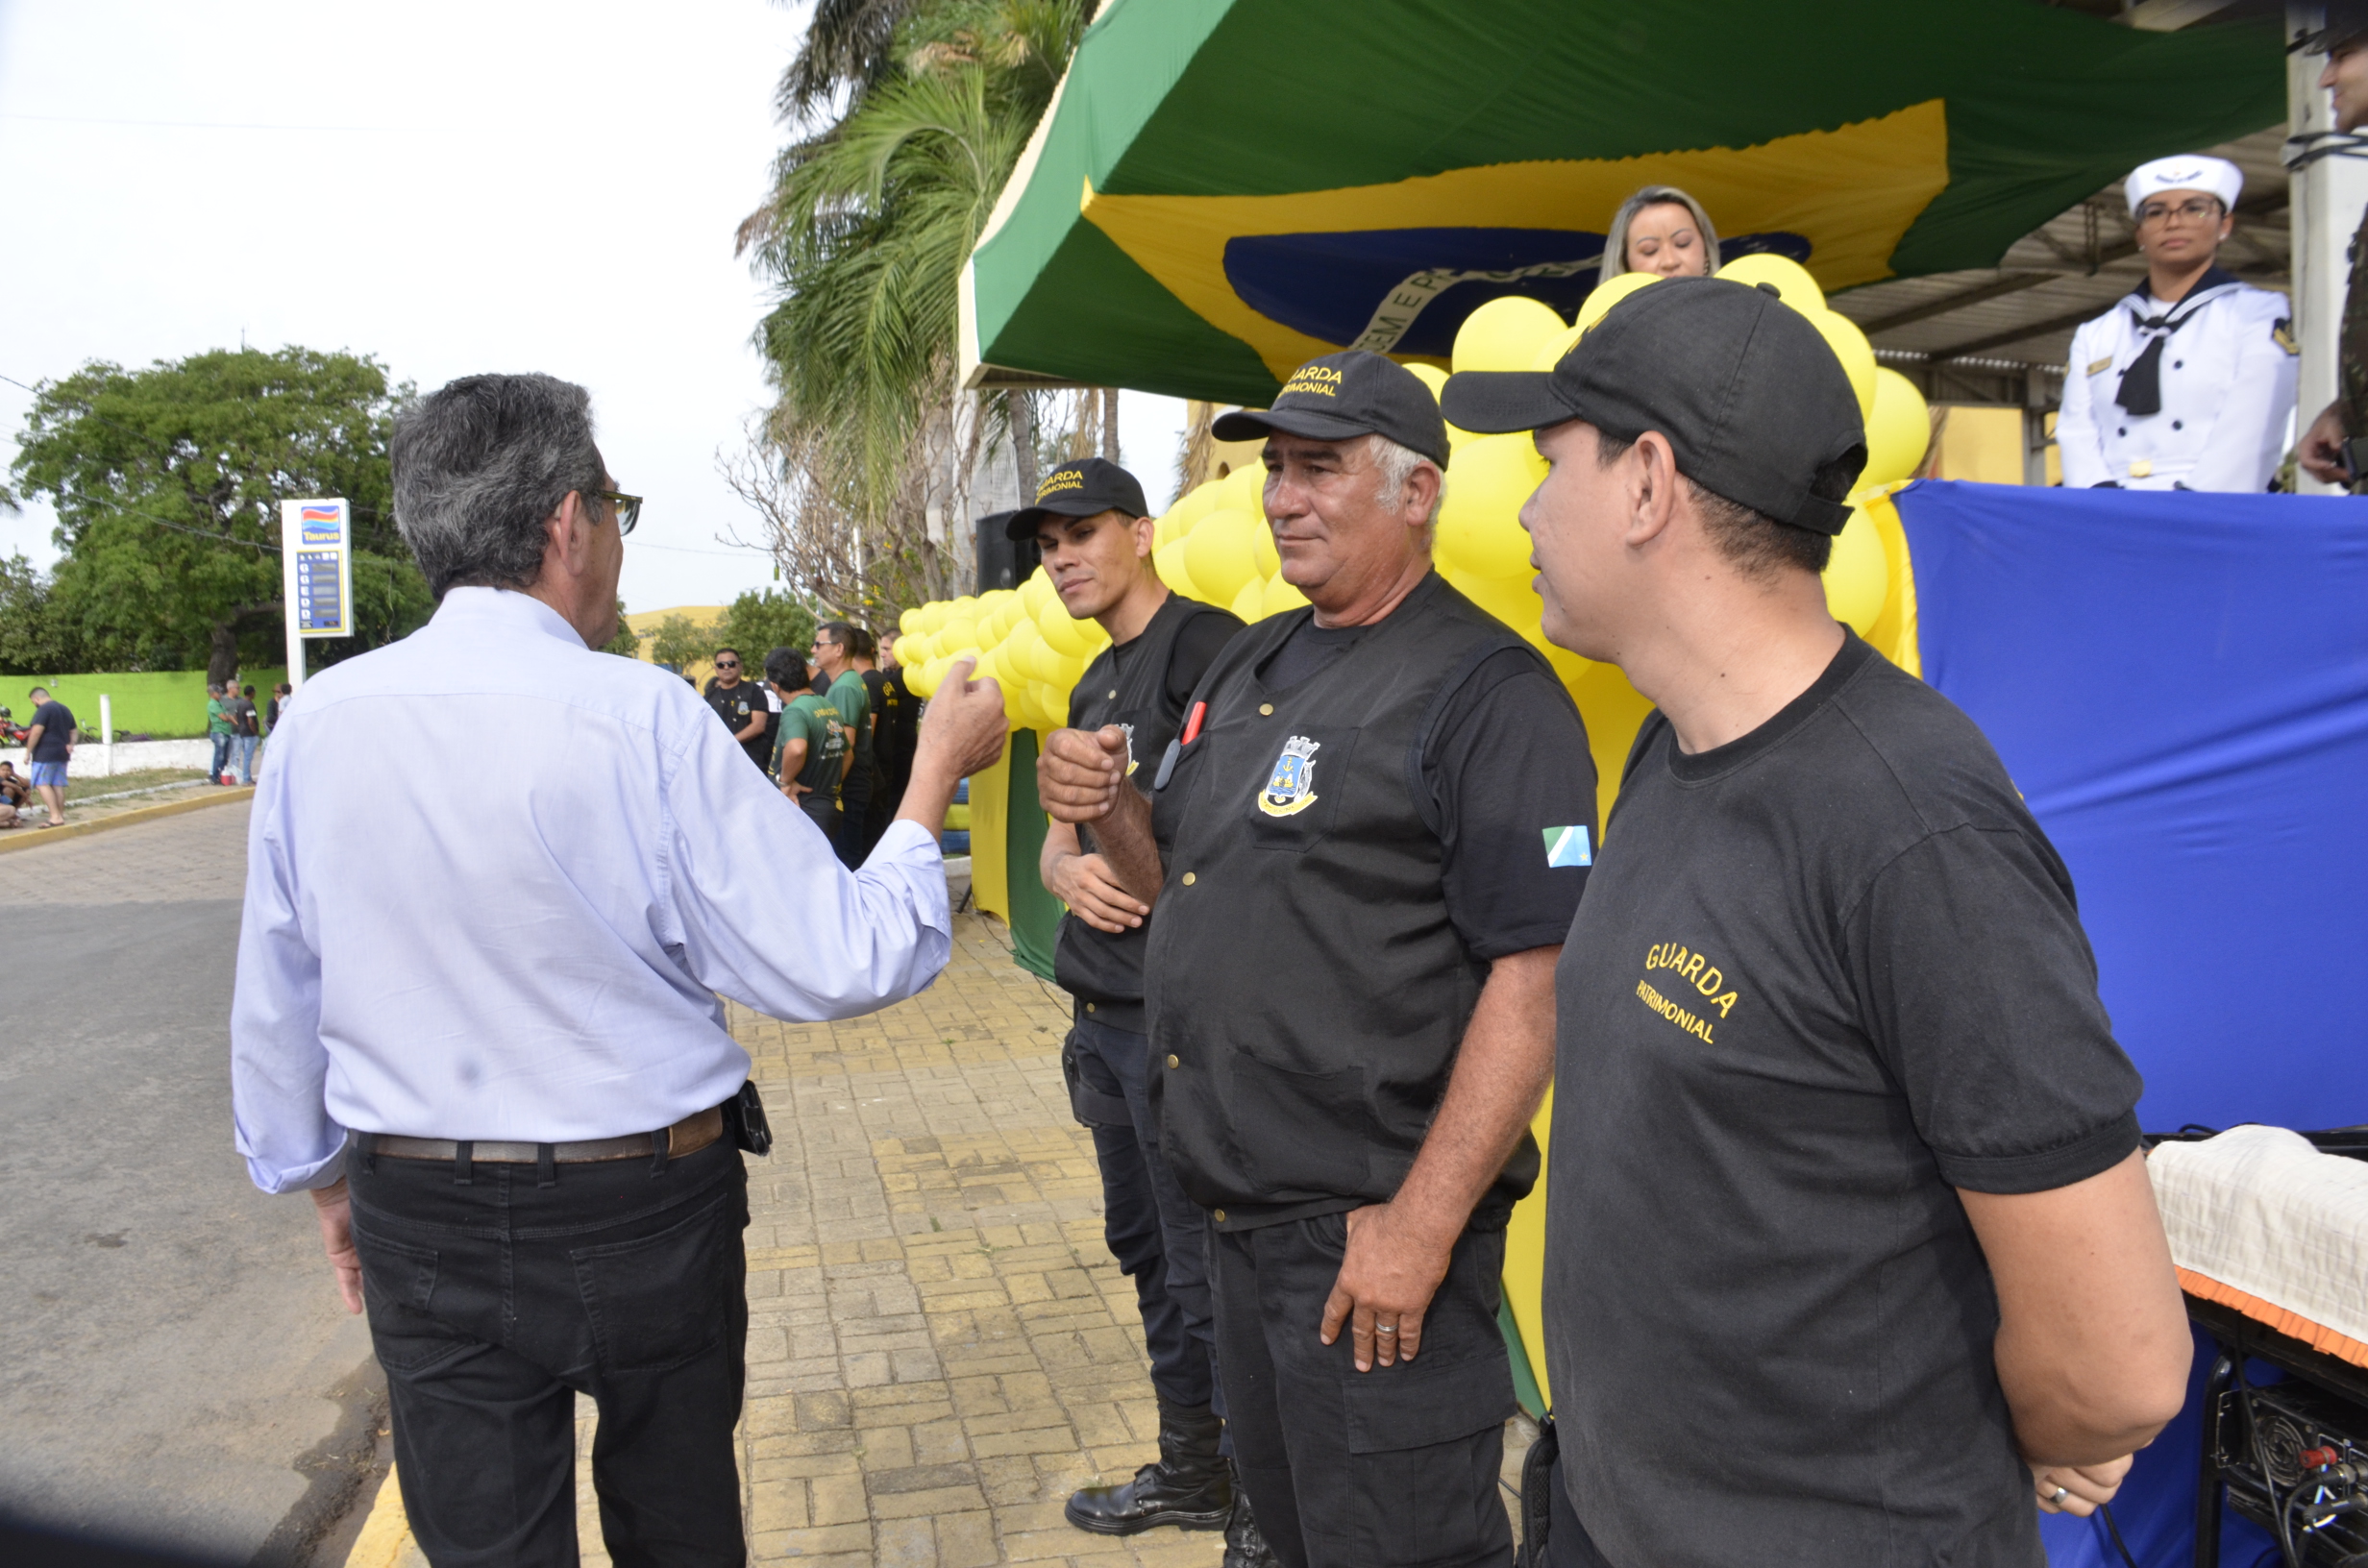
(509,1013)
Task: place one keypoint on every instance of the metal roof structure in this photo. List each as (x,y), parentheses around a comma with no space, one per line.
(2002,335)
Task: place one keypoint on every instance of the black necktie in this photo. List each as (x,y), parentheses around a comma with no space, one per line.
(2141,384)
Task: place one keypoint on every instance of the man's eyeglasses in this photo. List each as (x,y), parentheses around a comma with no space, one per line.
(627,507)
(2196,209)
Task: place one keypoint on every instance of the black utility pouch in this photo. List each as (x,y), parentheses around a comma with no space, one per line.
(1091,1106)
(1538,1480)
(744,1119)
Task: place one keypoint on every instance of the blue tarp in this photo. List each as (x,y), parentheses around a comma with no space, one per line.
(2178,683)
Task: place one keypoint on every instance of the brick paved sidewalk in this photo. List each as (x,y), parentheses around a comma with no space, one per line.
(940,1348)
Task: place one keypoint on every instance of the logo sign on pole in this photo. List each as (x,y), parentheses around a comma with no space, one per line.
(317,557)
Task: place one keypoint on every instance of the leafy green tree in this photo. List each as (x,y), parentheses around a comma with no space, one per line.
(680,640)
(870,222)
(29,643)
(759,621)
(167,482)
(627,642)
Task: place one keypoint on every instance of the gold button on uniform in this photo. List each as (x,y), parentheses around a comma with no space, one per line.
(1113,694)
(1189,879)
(1172,1061)
(1221,1216)
(1089,1007)
(1266,709)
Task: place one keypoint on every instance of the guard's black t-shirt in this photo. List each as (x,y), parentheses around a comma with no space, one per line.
(1822,975)
(736,706)
(1508,727)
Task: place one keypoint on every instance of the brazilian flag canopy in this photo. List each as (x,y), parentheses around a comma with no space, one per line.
(1224,188)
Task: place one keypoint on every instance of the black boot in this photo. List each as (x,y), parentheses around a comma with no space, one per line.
(1244,1545)
(1190,1486)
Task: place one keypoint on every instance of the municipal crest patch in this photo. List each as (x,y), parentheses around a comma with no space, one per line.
(1291,787)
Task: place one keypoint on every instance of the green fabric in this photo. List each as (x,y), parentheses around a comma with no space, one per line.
(1035,914)
(816,723)
(217,721)
(1524,1381)
(853,702)
(1184,99)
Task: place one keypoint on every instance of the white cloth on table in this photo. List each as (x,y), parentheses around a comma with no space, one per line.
(2259,1209)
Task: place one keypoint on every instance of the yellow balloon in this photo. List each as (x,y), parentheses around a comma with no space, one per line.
(1220,557)
(1856,353)
(1479,528)
(1268,559)
(957,637)
(1790,280)
(914,652)
(1430,376)
(1897,430)
(1279,597)
(1244,490)
(1551,351)
(1035,590)
(909,621)
(934,616)
(1858,579)
(1504,333)
(1508,599)
(1250,602)
(1188,508)
(1169,561)
(1027,651)
(1064,636)
(1610,293)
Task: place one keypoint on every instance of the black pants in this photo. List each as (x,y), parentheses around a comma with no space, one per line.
(854,806)
(823,811)
(1158,1235)
(887,800)
(493,1301)
(1391,1468)
(1567,1545)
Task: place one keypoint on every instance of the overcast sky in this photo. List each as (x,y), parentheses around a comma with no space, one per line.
(501,185)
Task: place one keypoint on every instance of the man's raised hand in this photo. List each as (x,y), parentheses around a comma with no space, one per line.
(963,725)
(1079,776)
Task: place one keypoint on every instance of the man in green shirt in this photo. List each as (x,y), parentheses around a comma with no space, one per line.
(834,651)
(811,752)
(219,729)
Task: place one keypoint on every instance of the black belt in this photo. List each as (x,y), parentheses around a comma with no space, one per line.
(690,1135)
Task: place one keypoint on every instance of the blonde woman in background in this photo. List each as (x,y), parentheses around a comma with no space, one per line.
(1661,230)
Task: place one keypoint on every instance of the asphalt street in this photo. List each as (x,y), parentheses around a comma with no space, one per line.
(175,1367)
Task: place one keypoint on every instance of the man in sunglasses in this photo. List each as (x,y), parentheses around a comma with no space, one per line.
(741,706)
(491,1042)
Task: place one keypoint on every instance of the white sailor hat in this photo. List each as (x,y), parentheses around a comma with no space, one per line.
(2188,171)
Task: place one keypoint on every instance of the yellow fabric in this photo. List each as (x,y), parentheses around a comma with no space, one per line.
(990,839)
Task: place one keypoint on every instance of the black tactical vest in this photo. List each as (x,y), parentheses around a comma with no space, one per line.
(1104,972)
(1306,989)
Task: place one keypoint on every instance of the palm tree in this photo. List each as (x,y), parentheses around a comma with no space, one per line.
(870,223)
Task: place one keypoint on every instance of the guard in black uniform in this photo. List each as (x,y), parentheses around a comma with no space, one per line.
(1368,842)
(1095,536)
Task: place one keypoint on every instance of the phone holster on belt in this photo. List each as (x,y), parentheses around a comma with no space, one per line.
(744,1118)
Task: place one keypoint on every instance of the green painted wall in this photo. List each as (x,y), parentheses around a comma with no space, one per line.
(167,704)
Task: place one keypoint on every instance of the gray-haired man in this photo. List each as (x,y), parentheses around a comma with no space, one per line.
(510,1014)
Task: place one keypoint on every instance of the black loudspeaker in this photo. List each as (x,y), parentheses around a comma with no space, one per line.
(1004,563)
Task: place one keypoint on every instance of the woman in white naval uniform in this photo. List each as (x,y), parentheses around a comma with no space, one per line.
(2187,383)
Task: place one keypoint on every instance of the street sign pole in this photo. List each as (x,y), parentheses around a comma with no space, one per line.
(316,566)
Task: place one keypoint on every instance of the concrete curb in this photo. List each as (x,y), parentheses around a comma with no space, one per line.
(386,1534)
(27,838)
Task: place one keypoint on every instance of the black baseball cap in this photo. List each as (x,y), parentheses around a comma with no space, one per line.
(2343,21)
(1749,394)
(1088,487)
(1347,394)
